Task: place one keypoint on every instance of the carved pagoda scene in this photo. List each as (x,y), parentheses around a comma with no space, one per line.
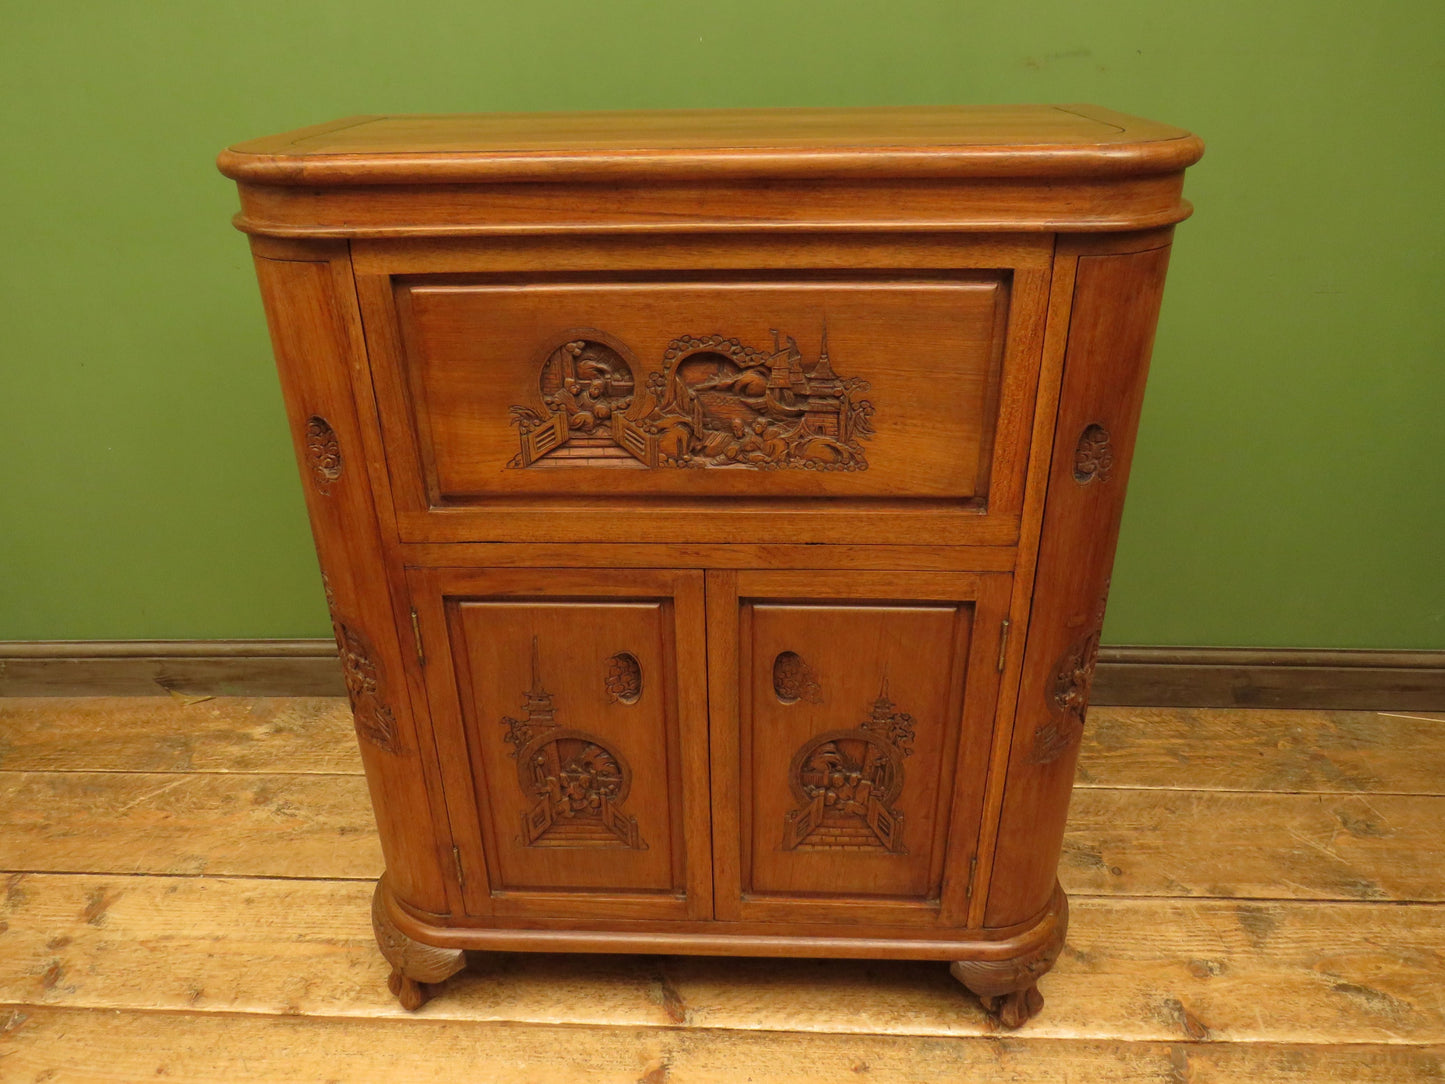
(846,782)
(577,781)
(716,403)
(585,385)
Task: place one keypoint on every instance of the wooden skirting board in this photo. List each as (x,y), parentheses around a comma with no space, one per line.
(1127,676)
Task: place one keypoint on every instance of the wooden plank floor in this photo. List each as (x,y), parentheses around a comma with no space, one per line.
(1257,896)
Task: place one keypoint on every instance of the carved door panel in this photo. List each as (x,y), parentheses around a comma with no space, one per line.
(852,717)
(570,715)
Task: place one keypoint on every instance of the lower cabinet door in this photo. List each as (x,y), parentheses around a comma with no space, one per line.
(852,717)
(570,714)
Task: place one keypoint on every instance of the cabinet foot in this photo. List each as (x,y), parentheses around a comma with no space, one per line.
(412,994)
(1016,1009)
(415,967)
(1008,989)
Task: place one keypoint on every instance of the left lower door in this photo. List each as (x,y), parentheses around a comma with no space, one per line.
(570,713)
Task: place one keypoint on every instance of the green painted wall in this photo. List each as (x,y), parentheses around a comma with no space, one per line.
(1287,491)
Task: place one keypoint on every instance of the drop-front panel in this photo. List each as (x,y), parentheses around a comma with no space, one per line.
(758,376)
(716,512)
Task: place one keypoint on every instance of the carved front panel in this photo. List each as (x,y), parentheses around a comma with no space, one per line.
(715,402)
(571,720)
(577,781)
(868,388)
(847,719)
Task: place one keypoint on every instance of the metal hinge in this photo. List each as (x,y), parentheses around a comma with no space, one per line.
(972,869)
(1002,642)
(416,634)
(461,874)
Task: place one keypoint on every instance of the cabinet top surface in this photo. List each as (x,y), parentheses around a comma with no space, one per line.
(930,141)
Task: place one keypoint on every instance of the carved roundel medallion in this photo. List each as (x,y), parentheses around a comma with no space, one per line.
(845,783)
(835,759)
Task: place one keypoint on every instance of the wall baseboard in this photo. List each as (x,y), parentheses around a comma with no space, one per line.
(156,667)
(1127,676)
(1216,677)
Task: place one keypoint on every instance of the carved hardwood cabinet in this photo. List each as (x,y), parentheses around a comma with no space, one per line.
(716,511)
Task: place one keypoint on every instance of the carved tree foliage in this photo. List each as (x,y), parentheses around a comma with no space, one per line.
(716,402)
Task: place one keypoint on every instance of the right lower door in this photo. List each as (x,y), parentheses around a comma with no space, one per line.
(851,725)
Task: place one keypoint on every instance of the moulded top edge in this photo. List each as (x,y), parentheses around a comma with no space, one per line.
(926,141)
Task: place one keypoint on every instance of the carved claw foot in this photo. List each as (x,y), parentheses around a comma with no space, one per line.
(412,994)
(1016,1009)
(416,969)
(1009,988)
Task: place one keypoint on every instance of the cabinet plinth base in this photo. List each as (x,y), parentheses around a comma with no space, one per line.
(415,966)
(1008,988)
(1003,973)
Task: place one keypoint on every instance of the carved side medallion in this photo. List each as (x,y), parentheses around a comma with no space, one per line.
(323,452)
(1068,692)
(716,403)
(845,783)
(365,688)
(1094,457)
(577,781)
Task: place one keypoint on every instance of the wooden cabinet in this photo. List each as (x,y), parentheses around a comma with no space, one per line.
(716,511)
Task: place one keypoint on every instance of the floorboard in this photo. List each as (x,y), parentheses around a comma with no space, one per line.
(1120,841)
(1257,896)
(271,825)
(1330,752)
(242,1049)
(177,734)
(1134,968)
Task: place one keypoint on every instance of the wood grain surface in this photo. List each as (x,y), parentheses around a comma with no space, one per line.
(86,1046)
(998,141)
(1135,969)
(146,959)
